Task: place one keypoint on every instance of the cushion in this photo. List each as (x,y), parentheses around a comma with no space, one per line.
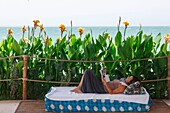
(134,88)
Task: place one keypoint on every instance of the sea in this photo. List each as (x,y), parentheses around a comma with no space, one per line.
(54,32)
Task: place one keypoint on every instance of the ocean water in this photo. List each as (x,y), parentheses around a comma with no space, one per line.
(54,32)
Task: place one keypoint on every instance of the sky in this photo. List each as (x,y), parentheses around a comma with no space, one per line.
(85,12)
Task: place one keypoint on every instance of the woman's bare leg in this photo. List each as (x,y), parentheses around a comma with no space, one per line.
(81,82)
(78,88)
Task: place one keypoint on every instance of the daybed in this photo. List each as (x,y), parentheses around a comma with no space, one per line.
(60,99)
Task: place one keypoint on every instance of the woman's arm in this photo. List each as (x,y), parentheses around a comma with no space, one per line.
(118,90)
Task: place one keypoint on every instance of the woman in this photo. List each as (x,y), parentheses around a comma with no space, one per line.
(91,84)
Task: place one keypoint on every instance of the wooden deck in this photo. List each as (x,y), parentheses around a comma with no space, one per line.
(37,106)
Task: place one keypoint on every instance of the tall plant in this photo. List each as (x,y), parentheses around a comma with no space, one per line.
(125,53)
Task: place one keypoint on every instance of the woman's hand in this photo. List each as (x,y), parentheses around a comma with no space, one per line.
(103,80)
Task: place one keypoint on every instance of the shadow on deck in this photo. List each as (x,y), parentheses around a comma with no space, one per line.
(37,106)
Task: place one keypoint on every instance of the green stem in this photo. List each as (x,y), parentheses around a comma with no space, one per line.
(119,24)
(61,35)
(124,33)
(40,33)
(28,32)
(23,34)
(71,27)
(91,32)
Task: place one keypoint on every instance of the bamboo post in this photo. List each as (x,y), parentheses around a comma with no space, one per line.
(168,77)
(24,89)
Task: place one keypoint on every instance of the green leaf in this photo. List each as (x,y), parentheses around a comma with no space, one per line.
(64,54)
(107,58)
(118,39)
(37,45)
(20,64)
(121,52)
(1,45)
(113,51)
(138,39)
(128,47)
(141,49)
(101,55)
(164,48)
(149,47)
(9,42)
(157,40)
(73,40)
(56,60)
(99,46)
(16,47)
(5,64)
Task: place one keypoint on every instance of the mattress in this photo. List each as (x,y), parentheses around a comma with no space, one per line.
(60,99)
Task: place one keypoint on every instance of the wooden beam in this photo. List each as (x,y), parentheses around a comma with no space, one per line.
(24,91)
(168,77)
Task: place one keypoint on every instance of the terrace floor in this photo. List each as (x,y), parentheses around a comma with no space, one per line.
(37,106)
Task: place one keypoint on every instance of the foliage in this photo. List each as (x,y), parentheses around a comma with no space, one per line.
(84,48)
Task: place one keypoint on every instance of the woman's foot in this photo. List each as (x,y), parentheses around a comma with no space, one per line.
(76,90)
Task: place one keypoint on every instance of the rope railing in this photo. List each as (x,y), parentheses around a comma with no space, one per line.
(53,82)
(25,79)
(46,81)
(16,79)
(63,60)
(3,58)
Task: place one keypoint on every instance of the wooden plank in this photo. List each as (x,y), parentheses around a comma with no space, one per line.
(38,107)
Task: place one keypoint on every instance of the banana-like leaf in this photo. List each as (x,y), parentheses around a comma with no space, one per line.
(73,40)
(16,47)
(4,62)
(141,49)
(2,45)
(20,64)
(121,52)
(113,51)
(157,41)
(164,48)
(138,39)
(101,55)
(118,39)
(88,48)
(99,45)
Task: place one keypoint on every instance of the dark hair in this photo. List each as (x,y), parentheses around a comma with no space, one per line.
(89,73)
(105,69)
(135,79)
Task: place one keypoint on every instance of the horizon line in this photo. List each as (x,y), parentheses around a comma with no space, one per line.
(97,26)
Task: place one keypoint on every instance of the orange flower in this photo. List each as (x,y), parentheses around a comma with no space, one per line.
(126,23)
(47,41)
(41,27)
(59,39)
(24,29)
(81,31)
(167,38)
(10,31)
(36,23)
(62,28)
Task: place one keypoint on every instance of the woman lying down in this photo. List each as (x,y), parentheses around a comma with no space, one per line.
(91,84)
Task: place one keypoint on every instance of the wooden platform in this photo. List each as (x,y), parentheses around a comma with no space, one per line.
(37,106)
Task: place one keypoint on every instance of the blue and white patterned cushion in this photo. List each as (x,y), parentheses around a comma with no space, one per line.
(134,88)
(98,106)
